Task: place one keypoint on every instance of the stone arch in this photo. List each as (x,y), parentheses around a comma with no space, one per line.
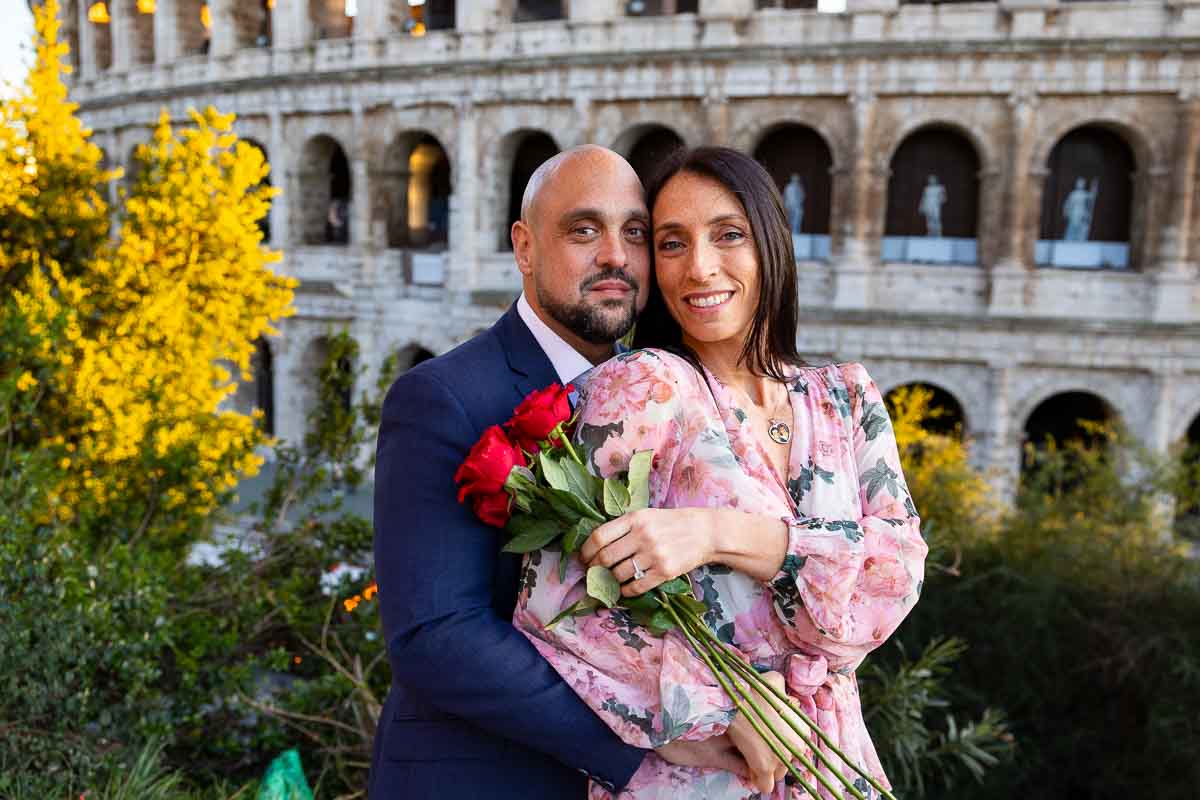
(658,8)
(252,23)
(1187,507)
(193,27)
(1087,199)
(933,196)
(410,355)
(314,356)
(325,192)
(415,187)
(646,146)
(950,417)
(329,19)
(69,31)
(521,152)
(800,160)
(1057,414)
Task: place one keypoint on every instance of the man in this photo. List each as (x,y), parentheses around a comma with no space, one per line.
(474,711)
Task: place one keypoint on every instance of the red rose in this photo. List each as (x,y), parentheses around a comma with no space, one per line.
(493,508)
(488,464)
(540,413)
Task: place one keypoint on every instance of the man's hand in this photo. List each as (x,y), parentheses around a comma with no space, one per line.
(718,752)
(765,767)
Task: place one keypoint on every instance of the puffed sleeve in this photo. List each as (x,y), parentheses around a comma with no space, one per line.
(848,583)
(650,690)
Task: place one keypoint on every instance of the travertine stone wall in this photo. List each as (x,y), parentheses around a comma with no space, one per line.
(1012,78)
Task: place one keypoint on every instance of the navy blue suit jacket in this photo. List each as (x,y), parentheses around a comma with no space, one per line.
(473,709)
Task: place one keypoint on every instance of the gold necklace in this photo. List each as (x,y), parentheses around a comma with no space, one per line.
(779,431)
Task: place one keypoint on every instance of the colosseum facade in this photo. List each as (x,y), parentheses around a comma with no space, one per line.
(1058,142)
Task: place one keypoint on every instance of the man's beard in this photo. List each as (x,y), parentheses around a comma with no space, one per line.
(590,322)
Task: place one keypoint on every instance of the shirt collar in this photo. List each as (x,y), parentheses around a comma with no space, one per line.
(567,361)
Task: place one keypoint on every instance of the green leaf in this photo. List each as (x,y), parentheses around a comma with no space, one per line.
(656,623)
(563,561)
(616,497)
(561,499)
(553,472)
(639,479)
(581,482)
(603,585)
(691,605)
(530,534)
(643,602)
(577,609)
(679,585)
(574,538)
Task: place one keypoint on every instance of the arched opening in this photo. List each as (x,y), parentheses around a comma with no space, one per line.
(1059,423)
(252,22)
(941,413)
(660,8)
(1087,201)
(419,18)
(193,27)
(258,393)
(539,10)
(101,22)
(331,18)
(312,364)
(933,199)
(410,356)
(325,192)
(264,224)
(135,166)
(532,150)
(799,160)
(1187,495)
(416,186)
(651,147)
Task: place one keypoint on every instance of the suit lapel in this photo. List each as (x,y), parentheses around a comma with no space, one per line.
(530,366)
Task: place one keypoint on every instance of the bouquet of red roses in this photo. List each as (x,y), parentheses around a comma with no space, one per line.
(526,478)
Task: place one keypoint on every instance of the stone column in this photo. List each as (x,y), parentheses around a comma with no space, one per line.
(280,166)
(1011,272)
(1003,457)
(360,182)
(224,28)
(87,45)
(462,258)
(166,43)
(291,25)
(716,112)
(1173,275)
(852,265)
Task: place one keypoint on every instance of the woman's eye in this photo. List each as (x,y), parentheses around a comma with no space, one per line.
(669,244)
(733,235)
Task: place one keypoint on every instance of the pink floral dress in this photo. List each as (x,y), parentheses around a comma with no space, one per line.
(853,569)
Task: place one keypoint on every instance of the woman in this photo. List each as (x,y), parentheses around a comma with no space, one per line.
(817,555)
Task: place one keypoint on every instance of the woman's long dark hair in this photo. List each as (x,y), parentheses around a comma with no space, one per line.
(771,344)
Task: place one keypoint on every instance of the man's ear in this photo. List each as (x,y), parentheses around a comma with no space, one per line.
(522,242)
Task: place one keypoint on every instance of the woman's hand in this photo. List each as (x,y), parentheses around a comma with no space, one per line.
(664,543)
(766,769)
(660,543)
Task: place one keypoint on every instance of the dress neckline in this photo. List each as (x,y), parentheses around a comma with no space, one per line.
(747,445)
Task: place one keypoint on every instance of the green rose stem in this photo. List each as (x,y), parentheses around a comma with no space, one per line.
(717,650)
(745,669)
(562,437)
(736,696)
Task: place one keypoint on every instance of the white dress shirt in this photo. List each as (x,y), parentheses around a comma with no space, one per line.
(567,361)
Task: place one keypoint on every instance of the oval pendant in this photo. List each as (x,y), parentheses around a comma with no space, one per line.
(779,432)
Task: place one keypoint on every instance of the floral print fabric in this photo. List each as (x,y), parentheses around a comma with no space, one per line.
(853,568)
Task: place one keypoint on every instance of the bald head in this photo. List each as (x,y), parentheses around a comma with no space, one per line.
(567,164)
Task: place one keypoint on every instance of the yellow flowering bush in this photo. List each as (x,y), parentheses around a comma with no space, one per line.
(145,318)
